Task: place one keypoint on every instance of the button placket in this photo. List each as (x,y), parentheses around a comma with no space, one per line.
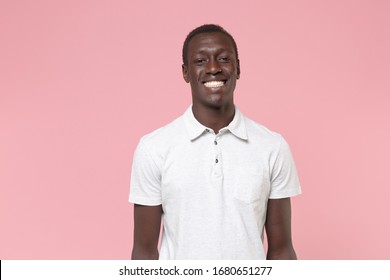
(218,159)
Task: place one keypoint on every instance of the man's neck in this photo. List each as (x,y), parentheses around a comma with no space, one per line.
(214,118)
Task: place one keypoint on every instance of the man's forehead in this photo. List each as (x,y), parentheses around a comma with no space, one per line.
(211,37)
(215,40)
(215,48)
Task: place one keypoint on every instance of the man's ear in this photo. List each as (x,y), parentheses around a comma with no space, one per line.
(238,69)
(184,69)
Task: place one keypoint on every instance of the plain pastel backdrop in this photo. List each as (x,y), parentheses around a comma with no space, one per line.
(82,81)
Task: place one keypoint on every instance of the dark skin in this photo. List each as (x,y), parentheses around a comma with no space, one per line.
(147,222)
(278,228)
(211,58)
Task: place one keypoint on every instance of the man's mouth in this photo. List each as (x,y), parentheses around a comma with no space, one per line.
(214,84)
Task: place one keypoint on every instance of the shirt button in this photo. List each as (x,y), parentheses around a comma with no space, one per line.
(216,160)
(215,142)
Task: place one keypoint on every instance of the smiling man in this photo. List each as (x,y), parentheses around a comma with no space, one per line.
(216,177)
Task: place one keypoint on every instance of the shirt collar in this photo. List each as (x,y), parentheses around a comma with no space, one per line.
(237,125)
(195,129)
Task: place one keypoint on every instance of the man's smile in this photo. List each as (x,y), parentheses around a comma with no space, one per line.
(214,84)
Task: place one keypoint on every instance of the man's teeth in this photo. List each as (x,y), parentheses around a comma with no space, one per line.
(214,84)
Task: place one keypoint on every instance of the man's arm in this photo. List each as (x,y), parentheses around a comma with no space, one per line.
(278,228)
(147,222)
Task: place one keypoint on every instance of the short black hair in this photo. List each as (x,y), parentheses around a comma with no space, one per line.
(206,28)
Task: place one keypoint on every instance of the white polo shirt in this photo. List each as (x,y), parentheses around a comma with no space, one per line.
(213,188)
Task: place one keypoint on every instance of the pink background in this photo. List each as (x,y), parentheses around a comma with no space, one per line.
(82,81)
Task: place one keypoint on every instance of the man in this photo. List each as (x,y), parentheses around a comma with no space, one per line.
(216,177)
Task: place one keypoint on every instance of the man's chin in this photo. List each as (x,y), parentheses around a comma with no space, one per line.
(217,102)
(216,98)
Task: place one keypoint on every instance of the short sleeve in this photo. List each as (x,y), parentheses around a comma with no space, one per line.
(145,183)
(284,176)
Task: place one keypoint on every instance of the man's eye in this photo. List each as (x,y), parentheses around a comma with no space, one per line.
(224,59)
(199,60)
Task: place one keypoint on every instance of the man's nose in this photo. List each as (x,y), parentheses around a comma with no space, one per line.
(213,67)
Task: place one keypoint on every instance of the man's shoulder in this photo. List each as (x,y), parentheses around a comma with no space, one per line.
(163,135)
(259,131)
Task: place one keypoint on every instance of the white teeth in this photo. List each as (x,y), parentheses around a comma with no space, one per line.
(214,84)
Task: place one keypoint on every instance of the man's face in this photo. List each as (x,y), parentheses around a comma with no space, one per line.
(212,69)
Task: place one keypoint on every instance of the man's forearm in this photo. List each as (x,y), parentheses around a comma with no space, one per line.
(142,254)
(284,254)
